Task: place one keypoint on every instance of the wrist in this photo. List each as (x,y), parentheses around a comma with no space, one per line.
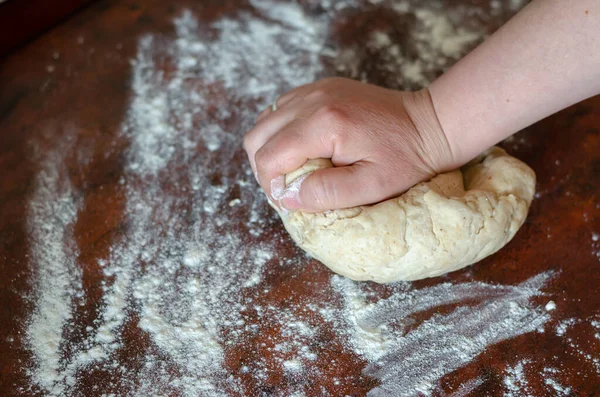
(438,151)
(460,115)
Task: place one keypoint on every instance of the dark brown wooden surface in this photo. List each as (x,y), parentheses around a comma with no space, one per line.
(23,20)
(83,97)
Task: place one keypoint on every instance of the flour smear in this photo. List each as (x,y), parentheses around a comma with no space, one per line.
(188,266)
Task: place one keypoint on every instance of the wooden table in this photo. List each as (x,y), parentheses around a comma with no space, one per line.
(138,256)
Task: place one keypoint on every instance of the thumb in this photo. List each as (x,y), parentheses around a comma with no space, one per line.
(339,187)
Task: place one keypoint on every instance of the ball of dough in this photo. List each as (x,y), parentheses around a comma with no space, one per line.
(453,220)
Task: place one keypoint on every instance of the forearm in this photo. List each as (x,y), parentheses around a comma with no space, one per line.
(544,59)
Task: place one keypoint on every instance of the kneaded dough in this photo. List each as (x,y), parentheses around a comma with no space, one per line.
(452,221)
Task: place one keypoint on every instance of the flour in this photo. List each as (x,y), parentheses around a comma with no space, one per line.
(516,382)
(51,215)
(467,388)
(439,36)
(196,247)
(575,345)
(562,327)
(436,42)
(596,245)
(596,325)
(554,385)
(415,360)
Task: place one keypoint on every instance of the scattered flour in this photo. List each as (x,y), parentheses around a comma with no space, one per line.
(417,359)
(558,389)
(51,215)
(181,271)
(467,388)
(562,327)
(596,245)
(596,325)
(516,382)
(435,43)
(576,346)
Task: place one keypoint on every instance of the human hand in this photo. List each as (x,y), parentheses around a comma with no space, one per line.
(381,142)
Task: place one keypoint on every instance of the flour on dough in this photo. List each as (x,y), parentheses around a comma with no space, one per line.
(452,221)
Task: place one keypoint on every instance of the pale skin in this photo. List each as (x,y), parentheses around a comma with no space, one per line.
(383,142)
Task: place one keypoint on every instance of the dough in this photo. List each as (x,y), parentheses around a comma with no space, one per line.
(452,221)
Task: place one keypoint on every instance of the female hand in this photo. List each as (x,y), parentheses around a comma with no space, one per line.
(381,142)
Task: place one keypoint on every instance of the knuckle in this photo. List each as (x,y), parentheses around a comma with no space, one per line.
(331,114)
(247,142)
(332,120)
(331,80)
(318,94)
(261,158)
(325,89)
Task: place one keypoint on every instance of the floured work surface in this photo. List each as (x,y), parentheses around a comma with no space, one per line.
(139,256)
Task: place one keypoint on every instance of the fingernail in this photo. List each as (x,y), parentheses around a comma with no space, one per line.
(290,199)
(291,203)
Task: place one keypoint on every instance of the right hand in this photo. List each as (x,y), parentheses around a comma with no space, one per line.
(381,141)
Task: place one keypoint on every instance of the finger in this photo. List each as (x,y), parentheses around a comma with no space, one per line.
(268,110)
(295,93)
(340,187)
(299,110)
(287,150)
(263,131)
(282,100)
(303,93)
(299,91)
(296,97)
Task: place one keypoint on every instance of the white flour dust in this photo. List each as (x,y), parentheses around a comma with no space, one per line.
(516,381)
(51,215)
(554,385)
(596,242)
(435,43)
(575,345)
(467,388)
(415,360)
(189,265)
